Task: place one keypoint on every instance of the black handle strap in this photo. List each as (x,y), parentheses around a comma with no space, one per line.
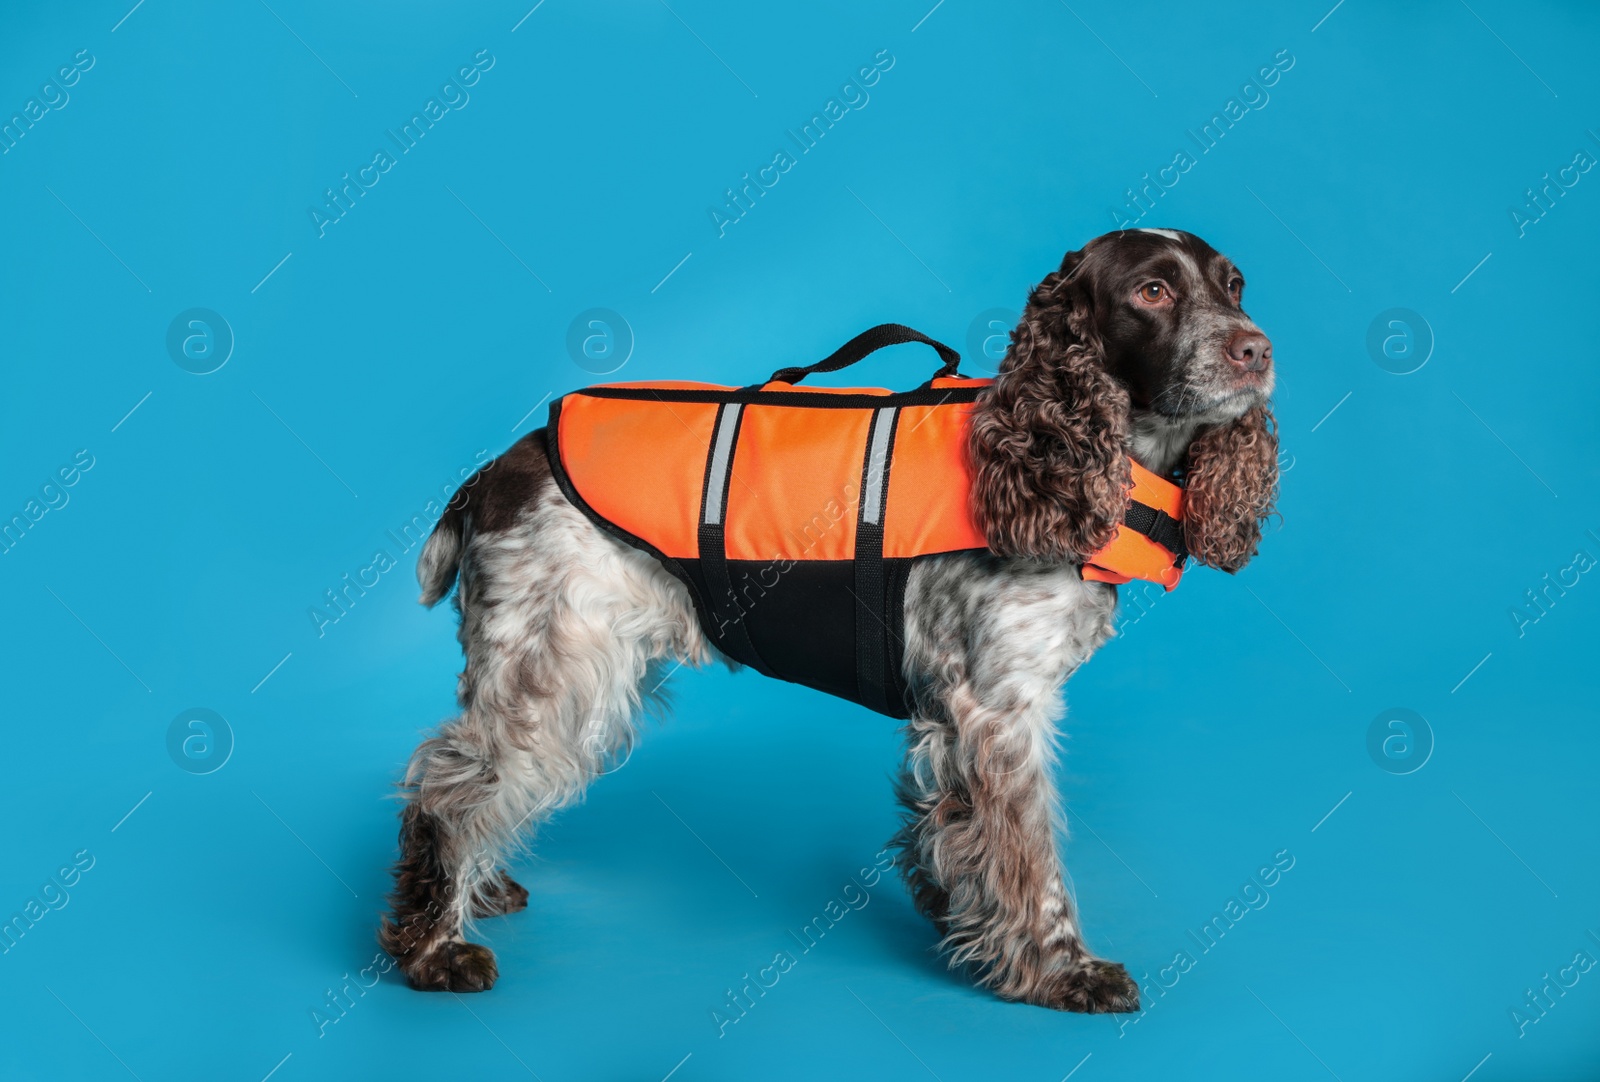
(884,334)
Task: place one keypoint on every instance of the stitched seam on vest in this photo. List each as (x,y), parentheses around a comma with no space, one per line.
(922,396)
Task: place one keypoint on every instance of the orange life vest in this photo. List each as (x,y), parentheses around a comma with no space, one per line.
(793,514)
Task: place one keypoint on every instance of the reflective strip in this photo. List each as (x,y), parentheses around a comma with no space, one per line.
(721,459)
(877,462)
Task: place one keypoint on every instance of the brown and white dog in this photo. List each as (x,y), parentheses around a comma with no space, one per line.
(1138,345)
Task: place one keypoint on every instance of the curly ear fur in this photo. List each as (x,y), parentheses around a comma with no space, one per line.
(1230,486)
(1048,441)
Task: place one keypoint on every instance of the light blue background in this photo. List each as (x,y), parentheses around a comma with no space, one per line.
(381,358)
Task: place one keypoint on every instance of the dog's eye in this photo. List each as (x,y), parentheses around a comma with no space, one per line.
(1236,287)
(1153,292)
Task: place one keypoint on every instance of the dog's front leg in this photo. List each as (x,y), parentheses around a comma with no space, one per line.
(978,850)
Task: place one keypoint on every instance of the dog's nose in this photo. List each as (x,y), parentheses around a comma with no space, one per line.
(1249,350)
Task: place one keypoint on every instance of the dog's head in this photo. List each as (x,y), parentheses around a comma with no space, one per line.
(1139,344)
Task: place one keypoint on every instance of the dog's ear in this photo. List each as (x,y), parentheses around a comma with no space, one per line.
(1048,442)
(1230,486)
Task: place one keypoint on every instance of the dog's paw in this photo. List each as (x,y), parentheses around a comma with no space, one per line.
(505,896)
(1093,987)
(454,967)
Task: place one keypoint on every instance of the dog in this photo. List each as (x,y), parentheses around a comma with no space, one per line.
(1138,345)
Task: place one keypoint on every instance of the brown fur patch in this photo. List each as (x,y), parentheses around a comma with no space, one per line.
(1231,485)
(1049,441)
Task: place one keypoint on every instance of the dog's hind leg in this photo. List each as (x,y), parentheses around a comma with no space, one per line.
(565,632)
(978,848)
(499,896)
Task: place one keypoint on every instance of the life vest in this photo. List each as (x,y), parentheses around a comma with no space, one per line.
(793,514)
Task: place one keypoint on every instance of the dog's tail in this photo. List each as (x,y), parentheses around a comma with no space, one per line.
(441,555)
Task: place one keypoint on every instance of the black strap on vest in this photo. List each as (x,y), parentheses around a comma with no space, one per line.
(1159,527)
(884,334)
(733,635)
(875,653)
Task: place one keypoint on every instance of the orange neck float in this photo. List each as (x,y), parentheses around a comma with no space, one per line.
(1149,543)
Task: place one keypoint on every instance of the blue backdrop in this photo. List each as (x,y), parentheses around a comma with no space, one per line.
(275,275)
